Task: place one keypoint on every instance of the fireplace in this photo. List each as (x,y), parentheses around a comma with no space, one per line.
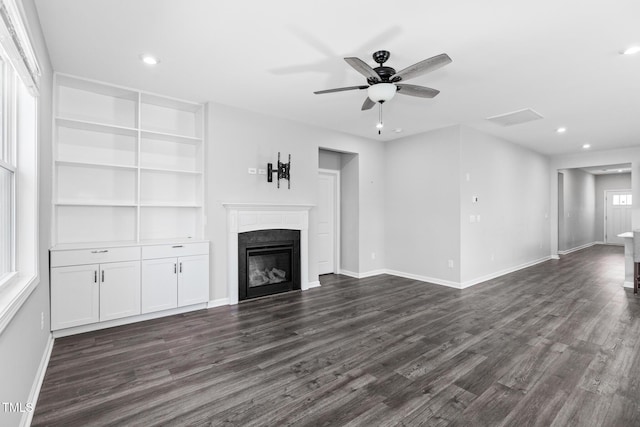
(268,262)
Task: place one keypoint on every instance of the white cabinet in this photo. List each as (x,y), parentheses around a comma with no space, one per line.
(75,296)
(93,293)
(159,284)
(91,286)
(174,281)
(193,280)
(119,290)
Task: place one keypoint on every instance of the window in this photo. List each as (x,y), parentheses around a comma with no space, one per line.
(622,200)
(7,180)
(19,75)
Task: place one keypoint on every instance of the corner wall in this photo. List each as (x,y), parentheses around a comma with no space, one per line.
(577,224)
(508,227)
(239,139)
(422,215)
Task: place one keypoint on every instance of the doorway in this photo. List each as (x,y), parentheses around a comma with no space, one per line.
(328,221)
(617,218)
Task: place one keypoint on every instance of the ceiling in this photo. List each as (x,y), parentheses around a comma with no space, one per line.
(559,58)
(608,169)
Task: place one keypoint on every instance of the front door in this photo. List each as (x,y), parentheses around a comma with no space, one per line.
(617,217)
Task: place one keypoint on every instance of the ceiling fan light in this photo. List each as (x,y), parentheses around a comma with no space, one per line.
(381,92)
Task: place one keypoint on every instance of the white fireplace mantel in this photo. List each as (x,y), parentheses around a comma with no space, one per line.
(242,217)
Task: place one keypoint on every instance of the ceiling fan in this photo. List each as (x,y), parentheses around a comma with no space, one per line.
(384,82)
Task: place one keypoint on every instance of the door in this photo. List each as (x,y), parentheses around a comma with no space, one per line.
(119,290)
(617,218)
(193,280)
(159,284)
(327,221)
(75,296)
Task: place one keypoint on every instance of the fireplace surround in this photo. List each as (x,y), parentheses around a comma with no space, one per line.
(243,217)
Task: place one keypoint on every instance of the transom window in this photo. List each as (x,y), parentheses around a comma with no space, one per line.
(622,200)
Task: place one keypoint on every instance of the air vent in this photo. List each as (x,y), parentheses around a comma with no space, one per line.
(515,117)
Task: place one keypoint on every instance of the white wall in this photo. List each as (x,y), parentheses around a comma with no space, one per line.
(422,216)
(577,225)
(23,342)
(239,139)
(512,187)
(587,159)
(618,181)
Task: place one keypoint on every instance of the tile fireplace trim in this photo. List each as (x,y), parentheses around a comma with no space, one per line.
(243,217)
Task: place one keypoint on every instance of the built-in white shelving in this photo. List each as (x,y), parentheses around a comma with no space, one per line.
(128,165)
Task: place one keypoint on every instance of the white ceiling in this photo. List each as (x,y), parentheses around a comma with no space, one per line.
(559,58)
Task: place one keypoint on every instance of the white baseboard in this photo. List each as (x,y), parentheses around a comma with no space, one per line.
(490,276)
(363,275)
(127,320)
(577,248)
(628,285)
(218,302)
(349,273)
(555,257)
(411,276)
(315,284)
(37,382)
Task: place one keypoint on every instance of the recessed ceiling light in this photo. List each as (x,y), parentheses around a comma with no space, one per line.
(149,59)
(561,130)
(631,50)
(397,130)
(586,146)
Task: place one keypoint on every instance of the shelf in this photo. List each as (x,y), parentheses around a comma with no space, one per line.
(169,205)
(188,172)
(94,203)
(95,223)
(93,86)
(128,165)
(170,137)
(92,164)
(95,126)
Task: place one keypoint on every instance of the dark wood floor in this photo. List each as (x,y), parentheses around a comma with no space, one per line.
(556,344)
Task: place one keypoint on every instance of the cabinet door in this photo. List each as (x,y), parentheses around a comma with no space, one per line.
(119,290)
(159,284)
(193,280)
(74,296)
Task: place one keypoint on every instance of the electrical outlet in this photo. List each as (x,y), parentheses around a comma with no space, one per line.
(450,263)
(252,171)
(42,320)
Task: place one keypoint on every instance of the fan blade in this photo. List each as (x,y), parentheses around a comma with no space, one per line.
(368,104)
(340,89)
(360,66)
(422,67)
(419,91)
